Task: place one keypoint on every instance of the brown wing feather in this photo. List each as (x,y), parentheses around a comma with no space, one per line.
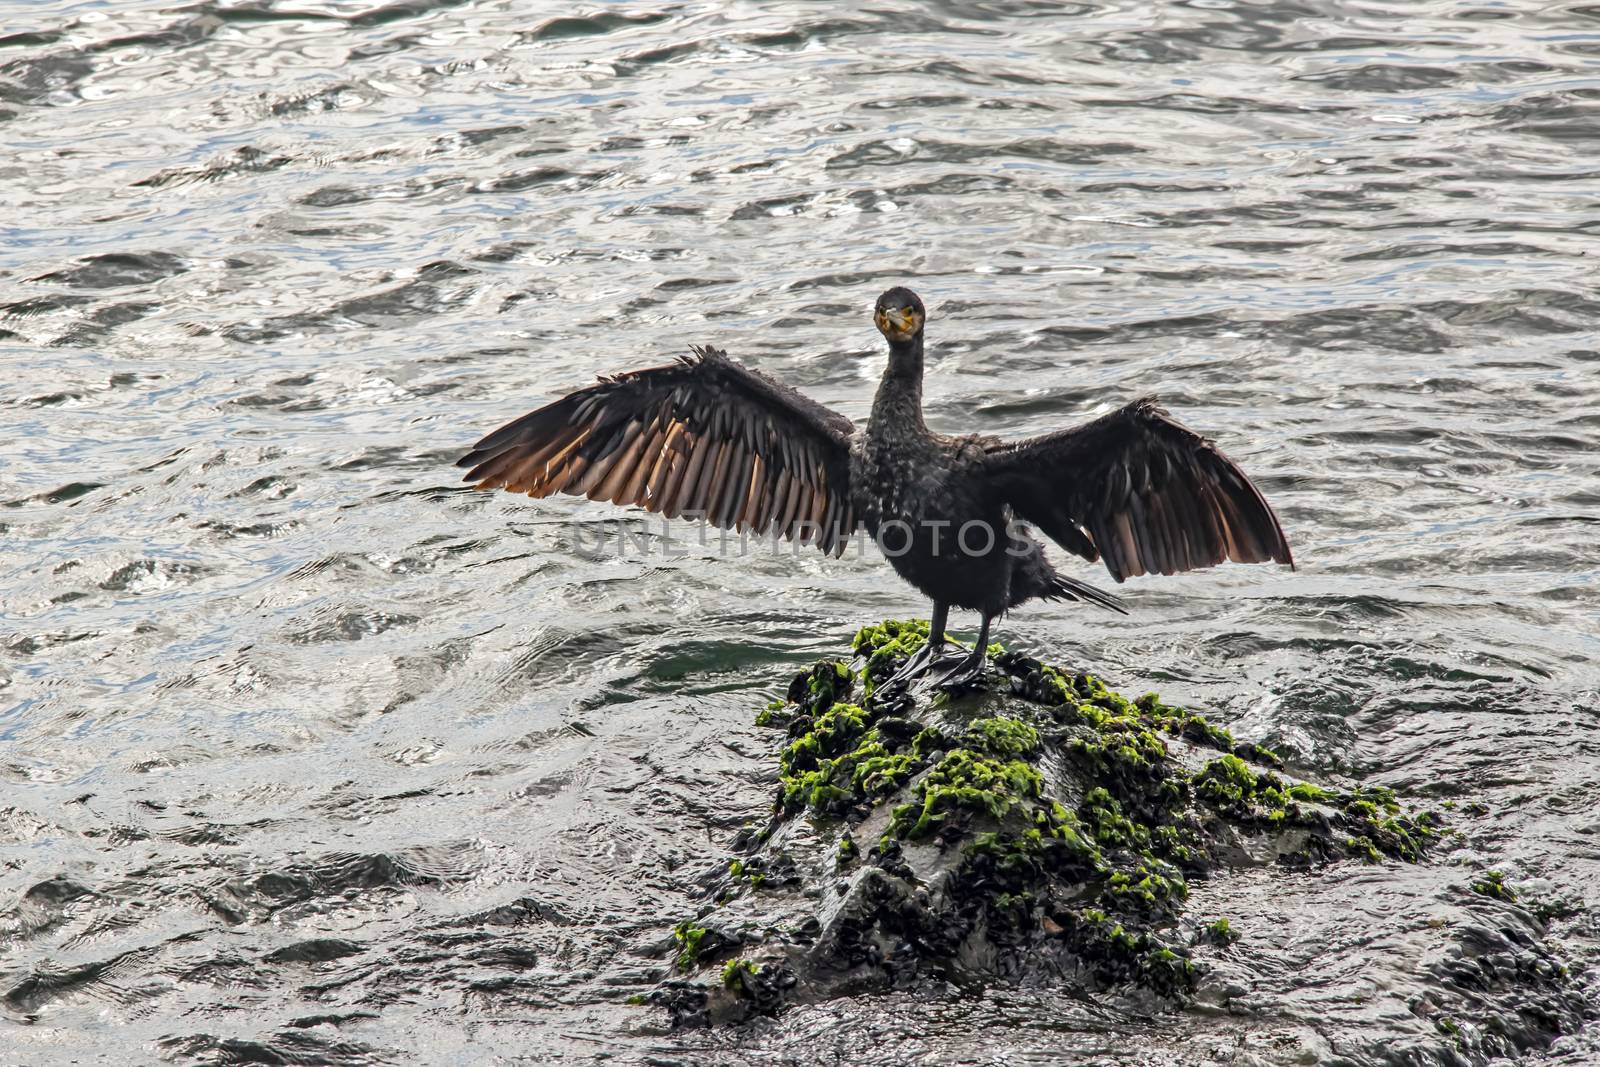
(705,434)
(1141,491)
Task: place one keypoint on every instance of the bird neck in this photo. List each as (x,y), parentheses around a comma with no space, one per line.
(900,393)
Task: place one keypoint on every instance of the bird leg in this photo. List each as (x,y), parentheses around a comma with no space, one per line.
(930,654)
(969,672)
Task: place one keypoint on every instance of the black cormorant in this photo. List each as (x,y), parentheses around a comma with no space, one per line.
(710,438)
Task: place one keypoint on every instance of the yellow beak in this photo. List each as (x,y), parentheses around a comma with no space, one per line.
(897,322)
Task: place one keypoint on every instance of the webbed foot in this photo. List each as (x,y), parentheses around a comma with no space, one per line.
(968,674)
(930,655)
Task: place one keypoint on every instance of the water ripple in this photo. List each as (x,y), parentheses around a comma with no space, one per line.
(312,756)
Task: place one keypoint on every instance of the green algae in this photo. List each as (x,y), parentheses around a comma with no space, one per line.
(738,870)
(841,761)
(1363,848)
(1144,889)
(885,646)
(1493,884)
(1227,782)
(774,714)
(1006,738)
(688,937)
(829,682)
(847,755)
(930,740)
(1112,828)
(1311,794)
(1118,954)
(903,635)
(1055,842)
(814,765)
(1220,933)
(1374,824)
(965,781)
(842,753)
(735,973)
(848,851)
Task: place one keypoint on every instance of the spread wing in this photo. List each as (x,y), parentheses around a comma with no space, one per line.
(705,437)
(1143,491)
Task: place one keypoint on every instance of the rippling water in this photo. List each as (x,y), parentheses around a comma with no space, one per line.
(311,756)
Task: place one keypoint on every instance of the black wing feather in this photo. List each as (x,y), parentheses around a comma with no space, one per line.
(1141,491)
(705,433)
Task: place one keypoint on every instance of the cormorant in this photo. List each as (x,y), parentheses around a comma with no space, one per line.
(706,436)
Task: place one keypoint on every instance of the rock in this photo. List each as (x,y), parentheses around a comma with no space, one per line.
(1043,829)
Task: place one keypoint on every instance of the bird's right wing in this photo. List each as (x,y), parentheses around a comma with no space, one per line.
(704,437)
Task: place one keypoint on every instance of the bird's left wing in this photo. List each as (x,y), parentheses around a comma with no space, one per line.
(1142,491)
(704,437)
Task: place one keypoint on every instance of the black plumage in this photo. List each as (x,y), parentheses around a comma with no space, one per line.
(704,436)
(710,438)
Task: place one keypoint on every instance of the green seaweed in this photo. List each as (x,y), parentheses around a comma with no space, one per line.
(1227,782)
(751,873)
(1112,828)
(849,851)
(808,765)
(688,936)
(1310,794)
(891,633)
(1005,738)
(776,713)
(1493,884)
(885,645)
(736,972)
(965,781)
(841,761)
(1151,891)
(1118,954)
(929,740)
(1220,933)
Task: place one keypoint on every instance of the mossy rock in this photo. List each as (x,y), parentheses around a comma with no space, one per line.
(1045,828)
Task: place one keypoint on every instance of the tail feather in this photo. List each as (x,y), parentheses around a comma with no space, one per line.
(1060,587)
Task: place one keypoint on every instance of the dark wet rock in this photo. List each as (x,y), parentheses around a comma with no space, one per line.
(1043,830)
(1498,992)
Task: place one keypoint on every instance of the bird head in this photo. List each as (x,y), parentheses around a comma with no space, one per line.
(899,314)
